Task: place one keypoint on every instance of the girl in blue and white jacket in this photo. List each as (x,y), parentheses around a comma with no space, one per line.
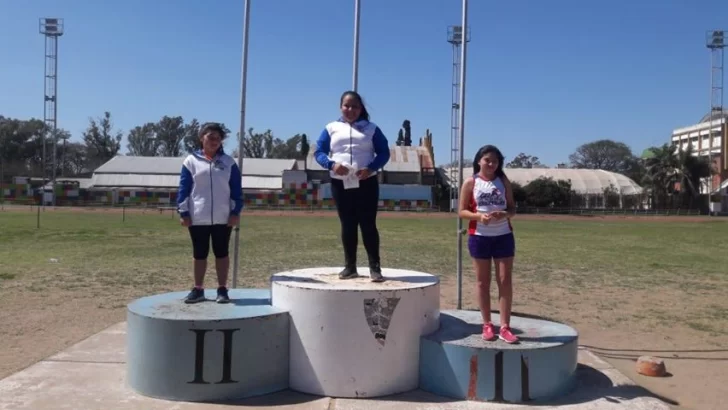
(354,150)
(209,202)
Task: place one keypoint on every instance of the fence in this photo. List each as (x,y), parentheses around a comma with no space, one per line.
(295,196)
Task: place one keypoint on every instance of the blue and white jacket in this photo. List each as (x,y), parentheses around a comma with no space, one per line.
(210,191)
(361,145)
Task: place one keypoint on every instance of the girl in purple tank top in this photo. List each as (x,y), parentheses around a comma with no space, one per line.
(486,201)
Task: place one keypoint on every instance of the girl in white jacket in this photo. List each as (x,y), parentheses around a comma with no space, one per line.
(209,202)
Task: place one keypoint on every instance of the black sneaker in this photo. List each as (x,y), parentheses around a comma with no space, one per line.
(348,273)
(196,295)
(375,273)
(222,295)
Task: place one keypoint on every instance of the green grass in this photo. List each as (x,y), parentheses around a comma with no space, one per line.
(633,254)
(579,260)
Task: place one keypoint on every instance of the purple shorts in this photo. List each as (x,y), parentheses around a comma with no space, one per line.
(495,247)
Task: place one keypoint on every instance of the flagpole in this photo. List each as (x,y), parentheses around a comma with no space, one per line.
(243,83)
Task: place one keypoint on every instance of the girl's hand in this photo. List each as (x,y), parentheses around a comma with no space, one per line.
(497,215)
(340,169)
(363,173)
(485,218)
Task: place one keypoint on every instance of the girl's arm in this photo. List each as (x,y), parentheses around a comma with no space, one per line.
(465,193)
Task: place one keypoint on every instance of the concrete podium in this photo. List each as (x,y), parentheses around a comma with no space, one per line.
(456,362)
(207,351)
(354,338)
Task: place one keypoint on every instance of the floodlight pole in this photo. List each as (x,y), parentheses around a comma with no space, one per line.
(241,135)
(460,233)
(52,29)
(715,41)
(355,79)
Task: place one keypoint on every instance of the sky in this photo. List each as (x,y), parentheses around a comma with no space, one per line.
(541,77)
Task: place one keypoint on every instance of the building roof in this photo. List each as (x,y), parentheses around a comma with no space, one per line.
(583,181)
(715,115)
(83,183)
(121,164)
(402,159)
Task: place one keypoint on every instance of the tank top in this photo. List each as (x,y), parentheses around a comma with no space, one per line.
(489,196)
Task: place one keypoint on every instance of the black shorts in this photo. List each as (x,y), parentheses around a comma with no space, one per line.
(201,235)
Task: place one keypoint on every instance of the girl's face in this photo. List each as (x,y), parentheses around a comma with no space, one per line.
(489,163)
(211,142)
(350,108)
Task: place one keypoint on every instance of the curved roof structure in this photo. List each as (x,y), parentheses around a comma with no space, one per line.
(583,181)
(715,116)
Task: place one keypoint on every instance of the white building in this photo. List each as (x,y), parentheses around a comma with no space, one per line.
(709,137)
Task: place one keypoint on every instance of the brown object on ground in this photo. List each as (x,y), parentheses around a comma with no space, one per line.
(651,366)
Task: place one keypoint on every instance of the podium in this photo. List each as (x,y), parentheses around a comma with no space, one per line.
(314,333)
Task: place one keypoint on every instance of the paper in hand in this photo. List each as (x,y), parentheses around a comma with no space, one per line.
(351,181)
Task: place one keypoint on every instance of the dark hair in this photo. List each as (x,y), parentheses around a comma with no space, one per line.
(486,149)
(212,127)
(364,113)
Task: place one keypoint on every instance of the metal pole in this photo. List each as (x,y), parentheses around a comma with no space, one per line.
(355,79)
(463,54)
(55,119)
(44,136)
(243,83)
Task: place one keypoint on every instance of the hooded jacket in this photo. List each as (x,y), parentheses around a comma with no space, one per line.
(210,191)
(360,145)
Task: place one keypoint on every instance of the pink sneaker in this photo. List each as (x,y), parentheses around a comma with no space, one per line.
(506,335)
(488,332)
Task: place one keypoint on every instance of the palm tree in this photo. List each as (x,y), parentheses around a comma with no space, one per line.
(670,171)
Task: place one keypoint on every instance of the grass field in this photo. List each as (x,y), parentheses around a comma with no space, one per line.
(626,285)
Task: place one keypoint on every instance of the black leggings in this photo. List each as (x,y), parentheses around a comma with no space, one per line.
(201,235)
(357,208)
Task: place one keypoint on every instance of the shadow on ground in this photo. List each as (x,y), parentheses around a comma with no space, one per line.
(590,385)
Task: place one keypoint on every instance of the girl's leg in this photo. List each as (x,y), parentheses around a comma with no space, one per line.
(345,201)
(367,204)
(503,272)
(503,258)
(479,247)
(482,287)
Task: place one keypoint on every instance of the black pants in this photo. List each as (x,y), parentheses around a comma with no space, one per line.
(357,208)
(201,235)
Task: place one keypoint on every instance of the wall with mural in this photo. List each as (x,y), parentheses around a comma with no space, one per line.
(302,195)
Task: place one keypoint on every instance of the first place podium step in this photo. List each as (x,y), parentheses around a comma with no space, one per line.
(207,351)
(354,338)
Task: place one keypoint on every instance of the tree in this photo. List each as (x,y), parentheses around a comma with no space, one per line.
(265,145)
(102,142)
(525,161)
(191,140)
(519,193)
(407,133)
(604,154)
(546,192)
(257,145)
(305,148)
(170,133)
(400,138)
(669,169)
(142,141)
(75,159)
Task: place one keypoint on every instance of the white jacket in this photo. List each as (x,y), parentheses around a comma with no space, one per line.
(209,190)
(361,145)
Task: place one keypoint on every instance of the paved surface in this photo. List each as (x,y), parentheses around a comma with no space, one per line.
(91,375)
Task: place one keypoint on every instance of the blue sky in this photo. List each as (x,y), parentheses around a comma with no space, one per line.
(542,77)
